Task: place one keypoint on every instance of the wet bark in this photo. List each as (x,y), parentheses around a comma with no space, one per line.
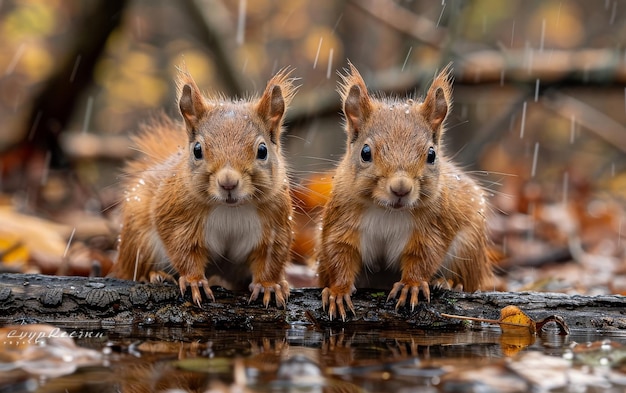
(106,303)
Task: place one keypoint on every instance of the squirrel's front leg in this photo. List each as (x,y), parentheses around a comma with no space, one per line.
(267,264)
(190,265)
(418,266)
(339,264)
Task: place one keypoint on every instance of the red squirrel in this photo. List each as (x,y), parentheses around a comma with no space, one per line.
(400,210)
(210,199)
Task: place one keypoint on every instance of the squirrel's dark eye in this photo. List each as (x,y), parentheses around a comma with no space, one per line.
(261,152)
(366,153)
(431,156)
(197,151)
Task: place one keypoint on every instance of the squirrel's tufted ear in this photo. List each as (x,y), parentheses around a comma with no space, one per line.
(191,103)
(274,101)
(438,102)
(357,105)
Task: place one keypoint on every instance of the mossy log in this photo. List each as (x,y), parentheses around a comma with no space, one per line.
(107,303)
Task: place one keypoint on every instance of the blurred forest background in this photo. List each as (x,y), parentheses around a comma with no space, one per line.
(539,114)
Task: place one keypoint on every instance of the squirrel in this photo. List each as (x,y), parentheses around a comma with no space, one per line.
(400,211)
(210,198)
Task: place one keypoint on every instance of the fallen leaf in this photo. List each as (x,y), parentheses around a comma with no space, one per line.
(46,241)
(515,321)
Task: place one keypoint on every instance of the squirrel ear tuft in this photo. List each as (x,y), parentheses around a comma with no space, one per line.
(357,105)
(438,101)
(191,103)
(274,101)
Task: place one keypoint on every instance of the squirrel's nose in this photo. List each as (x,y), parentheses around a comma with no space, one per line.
(400,187)
(228,179)
(229,184)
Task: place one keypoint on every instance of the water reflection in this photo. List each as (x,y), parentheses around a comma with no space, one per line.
(304,359)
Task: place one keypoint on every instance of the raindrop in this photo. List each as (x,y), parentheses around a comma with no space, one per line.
(406,58)
(46,168)
(136,266)
(317,54)
(537,90)
(241,22)
(88,114)
(502,77)
(523,124)
(31,134)
(75,69)
(572,129)
(613,12)
(512,33)
(16,57)
(535,154)
(337,23)
(245,65)
(612,169)
(543,34)
(624,99)
(443,7)
(69,242)
(330,64)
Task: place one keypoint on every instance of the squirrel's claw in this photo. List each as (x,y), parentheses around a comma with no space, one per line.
(404,287)
(195,283)
(280,290)
(160,277)
(335,301)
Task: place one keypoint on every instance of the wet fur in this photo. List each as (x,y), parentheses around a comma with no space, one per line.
(370,236)
(176,215)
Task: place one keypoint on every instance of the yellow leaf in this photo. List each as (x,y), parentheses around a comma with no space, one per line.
(12,250)
(514,321)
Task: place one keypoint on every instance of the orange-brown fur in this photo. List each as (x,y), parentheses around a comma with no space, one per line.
(224,216)
(426,220)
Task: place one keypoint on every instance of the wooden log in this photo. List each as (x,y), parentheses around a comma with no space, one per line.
(107,303)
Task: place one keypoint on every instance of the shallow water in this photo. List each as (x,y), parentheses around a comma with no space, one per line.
(332,360)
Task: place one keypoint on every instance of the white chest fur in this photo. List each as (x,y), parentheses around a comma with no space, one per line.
(233,232)
(384,234)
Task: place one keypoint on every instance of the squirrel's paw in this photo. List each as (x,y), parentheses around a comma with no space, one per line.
(280,290)
(160,277)
(335,298)
(448,284)
(403,287)
(195,282)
